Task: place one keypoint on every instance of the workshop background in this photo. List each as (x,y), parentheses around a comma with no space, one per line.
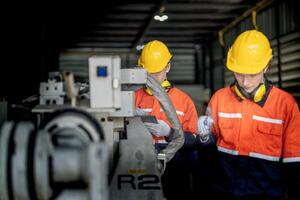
(48,36)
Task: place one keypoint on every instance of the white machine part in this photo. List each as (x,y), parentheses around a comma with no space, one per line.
(51,92)
(95,151)
(133,76)
(129,77)
(105,85)
(38,165)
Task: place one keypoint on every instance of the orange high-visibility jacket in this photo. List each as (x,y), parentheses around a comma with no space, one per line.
(183,105)
(252,140)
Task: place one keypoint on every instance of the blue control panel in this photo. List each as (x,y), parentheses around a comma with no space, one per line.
(101,71)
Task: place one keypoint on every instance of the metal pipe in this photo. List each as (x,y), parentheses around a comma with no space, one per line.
(168,107)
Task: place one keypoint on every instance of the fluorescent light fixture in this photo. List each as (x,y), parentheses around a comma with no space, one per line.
(161,18)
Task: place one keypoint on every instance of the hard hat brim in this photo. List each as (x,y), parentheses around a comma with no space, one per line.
(247,69)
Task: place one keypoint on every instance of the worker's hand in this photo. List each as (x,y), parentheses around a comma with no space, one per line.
(140,112)
(205,124)
(161,128)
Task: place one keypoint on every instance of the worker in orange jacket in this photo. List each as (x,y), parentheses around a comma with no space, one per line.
(155,58)
(256,128)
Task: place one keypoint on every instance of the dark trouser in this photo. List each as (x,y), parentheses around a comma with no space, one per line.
(212,181)
(222,196)
(178,178)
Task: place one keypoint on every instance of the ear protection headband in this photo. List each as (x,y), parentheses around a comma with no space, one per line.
(256,95)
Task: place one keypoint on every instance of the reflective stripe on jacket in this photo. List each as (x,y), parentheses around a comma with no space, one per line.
(254,140)
(183,105)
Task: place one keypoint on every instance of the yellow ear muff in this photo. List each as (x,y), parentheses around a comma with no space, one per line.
(237,91)
(259,93)
(165,84)
(148,91)
(256,95)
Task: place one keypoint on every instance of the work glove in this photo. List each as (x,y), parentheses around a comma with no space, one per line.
(161,128)
(205,124)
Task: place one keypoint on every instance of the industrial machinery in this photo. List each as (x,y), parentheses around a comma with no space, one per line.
(92,148)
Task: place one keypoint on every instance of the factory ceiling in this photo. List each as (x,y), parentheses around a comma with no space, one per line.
(123,25)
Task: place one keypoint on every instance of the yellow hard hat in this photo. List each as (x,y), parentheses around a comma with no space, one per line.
(154,57)
(250,53)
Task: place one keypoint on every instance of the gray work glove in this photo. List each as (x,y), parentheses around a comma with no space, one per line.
(159,129)
(205,124)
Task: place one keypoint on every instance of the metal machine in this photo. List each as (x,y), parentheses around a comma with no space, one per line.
(92,148)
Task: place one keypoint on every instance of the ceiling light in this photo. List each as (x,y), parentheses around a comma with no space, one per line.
(161,16)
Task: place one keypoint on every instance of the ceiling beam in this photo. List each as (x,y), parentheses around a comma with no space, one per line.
(176,25)
(117,25)
(128,45)
(186,6)
(107,38)
(175,39)
(116,32)
(172,15)
(104,44)
(153,31)
(80,50)
(167,32)
(136,6)
(204,6)
(144,28)
(200,16)
(127,16)
(95,49)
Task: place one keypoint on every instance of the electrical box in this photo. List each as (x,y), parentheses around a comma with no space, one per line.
(104,80)
(52,92)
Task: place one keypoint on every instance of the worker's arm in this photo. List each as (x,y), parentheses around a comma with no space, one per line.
(189,124)
(189,140)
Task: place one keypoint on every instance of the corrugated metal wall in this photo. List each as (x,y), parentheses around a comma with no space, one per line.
(77,61)
(290,63)
(183,69)
(281,24)
(218,66)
